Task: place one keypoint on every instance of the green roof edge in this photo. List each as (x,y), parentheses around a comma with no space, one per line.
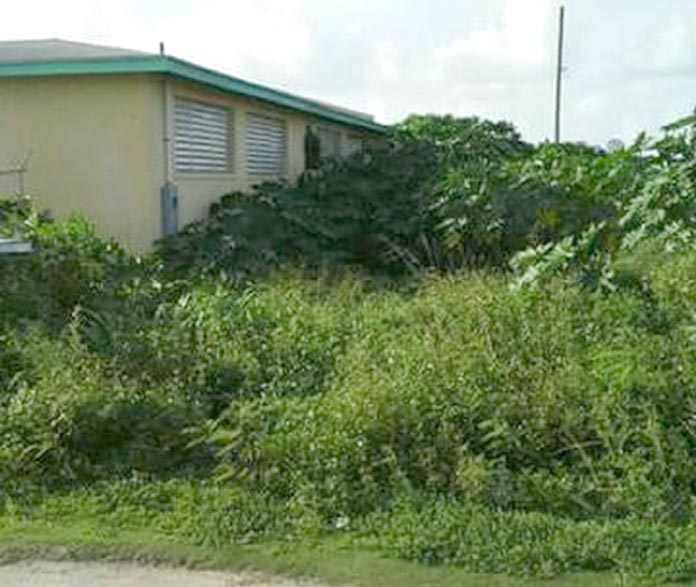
(191,72)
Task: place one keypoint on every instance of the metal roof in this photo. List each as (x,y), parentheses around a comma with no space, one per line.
(53,57)
(59,50)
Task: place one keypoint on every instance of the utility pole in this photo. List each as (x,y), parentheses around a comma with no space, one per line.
(559,75)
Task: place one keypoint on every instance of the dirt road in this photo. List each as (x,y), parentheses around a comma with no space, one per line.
(69,574)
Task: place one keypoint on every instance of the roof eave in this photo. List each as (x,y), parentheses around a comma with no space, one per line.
(148,64)
(231,85)
(182,69)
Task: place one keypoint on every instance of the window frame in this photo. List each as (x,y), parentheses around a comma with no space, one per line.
(230,143)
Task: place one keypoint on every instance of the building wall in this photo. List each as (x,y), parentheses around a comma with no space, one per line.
(97,147)
(198,190)
(94,147)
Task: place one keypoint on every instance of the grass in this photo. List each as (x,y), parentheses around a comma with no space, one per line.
(333,561)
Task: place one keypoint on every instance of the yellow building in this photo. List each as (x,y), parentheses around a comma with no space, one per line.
(143,143)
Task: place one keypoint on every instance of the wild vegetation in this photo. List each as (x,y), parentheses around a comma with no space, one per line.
(455,347)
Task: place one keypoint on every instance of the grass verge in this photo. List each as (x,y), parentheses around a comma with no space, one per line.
(333,561)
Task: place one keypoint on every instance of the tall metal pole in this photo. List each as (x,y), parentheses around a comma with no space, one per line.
(559,75)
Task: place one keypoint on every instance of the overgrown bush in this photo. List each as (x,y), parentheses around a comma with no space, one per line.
(440,192)
(446,194)
(366,212)
(65,419)
(70,264)
(452,418)
(651,186)
(553,400)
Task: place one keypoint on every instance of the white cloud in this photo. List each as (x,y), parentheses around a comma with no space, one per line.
(31,19)
(497,70)
(386,62)
(670,48)
(266,37)
(520,44)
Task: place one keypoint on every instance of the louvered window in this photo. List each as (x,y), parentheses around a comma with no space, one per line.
(202,141)
(266,144)
(329,143)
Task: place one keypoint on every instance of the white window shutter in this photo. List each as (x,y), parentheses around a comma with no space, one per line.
(266,144)
(353,144)
(329,143)
(202,141)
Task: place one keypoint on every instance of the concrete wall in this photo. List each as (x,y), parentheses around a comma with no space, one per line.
(95,148)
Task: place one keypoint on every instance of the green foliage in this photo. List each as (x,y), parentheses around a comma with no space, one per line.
(483,541)
(651,186)
(360,212)
(553,401)
(69,264)
(67,412)
(434,532)
(447,193)
(388,210)
(461,138)
(64,418)
(552,412)
(200,512)
(451,419)
(441,193)
(18,217)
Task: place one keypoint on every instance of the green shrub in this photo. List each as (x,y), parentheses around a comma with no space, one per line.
(550,400)
(485,541)
(69,266)
(219,344)
(441,193)
(452,419)
(367,211)
(650,185)
(70,421)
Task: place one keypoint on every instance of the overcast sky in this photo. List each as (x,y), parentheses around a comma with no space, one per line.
(631,64)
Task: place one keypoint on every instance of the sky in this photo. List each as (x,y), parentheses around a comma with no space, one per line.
(630,64)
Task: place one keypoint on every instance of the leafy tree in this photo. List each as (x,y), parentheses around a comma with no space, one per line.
(652,188)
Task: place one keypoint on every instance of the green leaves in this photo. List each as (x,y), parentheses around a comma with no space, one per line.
(650,190)
(444,194)
(341,215)
(468,419)
(419,200)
